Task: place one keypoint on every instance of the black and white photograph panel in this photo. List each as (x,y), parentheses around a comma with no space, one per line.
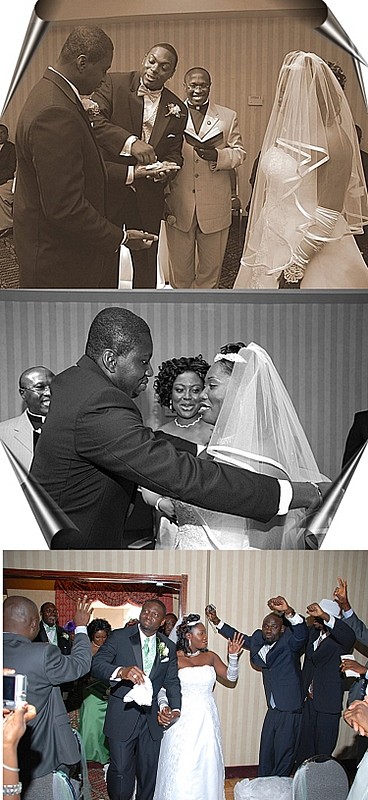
(184,421)
(217,146)
(301,620)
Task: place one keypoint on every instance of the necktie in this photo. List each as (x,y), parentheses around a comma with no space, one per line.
(142,91)
(147,656)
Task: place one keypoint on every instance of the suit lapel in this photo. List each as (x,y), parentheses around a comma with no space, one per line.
(157,660)
(209,123)
(135,641)
(23,432)
(161,121)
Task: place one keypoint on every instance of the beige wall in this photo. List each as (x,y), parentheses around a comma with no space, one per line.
(239,584)
(243,50)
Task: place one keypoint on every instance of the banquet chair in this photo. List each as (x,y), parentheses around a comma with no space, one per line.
(320,777)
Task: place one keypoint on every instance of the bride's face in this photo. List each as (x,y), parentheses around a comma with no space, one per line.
(212,397)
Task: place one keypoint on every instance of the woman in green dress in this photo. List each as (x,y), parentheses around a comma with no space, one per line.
(94,704)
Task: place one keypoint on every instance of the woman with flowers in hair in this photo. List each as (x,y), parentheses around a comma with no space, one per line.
(310,196)
(191,761)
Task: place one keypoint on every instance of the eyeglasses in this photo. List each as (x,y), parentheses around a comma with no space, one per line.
(197,85)
(40,388)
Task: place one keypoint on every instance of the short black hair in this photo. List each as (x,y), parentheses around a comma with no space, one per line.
(4,126)
(90,41)
(169,48)
(157,601)
(169,370)
(198,69)
(117,329)
(98,625)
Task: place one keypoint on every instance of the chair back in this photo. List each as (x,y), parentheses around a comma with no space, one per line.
(320,777)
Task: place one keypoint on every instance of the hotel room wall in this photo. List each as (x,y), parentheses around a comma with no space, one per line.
(317,344)
(239,584)
(242,50)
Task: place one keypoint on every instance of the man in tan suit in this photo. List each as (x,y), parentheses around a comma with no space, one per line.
(21,433)
(198,214)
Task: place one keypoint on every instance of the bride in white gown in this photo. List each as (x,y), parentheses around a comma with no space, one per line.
(310,195)
(257,428)
(191,763)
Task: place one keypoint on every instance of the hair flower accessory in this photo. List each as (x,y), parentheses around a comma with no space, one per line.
(92,108)
(163,650)
(173,110)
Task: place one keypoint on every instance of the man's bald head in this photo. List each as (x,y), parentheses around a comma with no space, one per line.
(21,616)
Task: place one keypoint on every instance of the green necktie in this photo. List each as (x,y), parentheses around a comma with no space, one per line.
(147,656)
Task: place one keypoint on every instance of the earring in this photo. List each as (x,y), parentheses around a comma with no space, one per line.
(171,406)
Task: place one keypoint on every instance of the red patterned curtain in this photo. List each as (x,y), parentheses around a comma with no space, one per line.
(67,592)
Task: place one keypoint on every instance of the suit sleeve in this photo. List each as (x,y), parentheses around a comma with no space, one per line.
(234,153)
(354,442)
(343,635)
(61,668)
(299,636)
(56,141)
(172,682)
(110,137)
(359,627)
(114,439)
(228,632)
(105,661)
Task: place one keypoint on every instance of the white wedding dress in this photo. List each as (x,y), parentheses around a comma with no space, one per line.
(191,764)
(338,265)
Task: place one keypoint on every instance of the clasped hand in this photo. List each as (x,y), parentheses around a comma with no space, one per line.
(166,716)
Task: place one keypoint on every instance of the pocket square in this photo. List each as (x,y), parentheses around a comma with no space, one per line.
(163,660)
(170,136)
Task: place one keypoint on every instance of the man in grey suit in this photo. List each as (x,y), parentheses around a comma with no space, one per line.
(21,433)
(49,742)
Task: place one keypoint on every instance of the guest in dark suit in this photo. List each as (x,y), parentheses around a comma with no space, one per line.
(275,650)
(133,730)
(323,685)
(95,449)
(357,436)
(7,171)
(21,433)
(51,632)
(49,741)
(140,118)
(62,236)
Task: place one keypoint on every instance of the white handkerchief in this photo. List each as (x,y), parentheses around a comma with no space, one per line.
(141,693)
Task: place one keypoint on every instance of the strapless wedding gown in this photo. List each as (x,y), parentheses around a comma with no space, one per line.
(338,265)
(191,764)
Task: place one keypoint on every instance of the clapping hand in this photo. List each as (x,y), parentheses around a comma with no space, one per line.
(235,645)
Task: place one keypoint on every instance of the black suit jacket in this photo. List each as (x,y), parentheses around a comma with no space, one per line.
(357,436)
(121,116)
(282,672)
(323,667)
(122,649)
(49,740)
(94,449)
(64,641)
(62,237)
(7,162)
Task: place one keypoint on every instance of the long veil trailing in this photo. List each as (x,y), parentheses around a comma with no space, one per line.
(309,170)
(258,429)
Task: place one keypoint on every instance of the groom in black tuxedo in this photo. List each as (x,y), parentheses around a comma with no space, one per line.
(133,730)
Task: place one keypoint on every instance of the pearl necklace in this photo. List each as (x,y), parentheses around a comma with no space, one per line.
(190,424)
(196,653)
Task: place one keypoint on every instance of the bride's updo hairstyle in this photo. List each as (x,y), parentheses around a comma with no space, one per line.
(228,349)
(186,626)
(170,370)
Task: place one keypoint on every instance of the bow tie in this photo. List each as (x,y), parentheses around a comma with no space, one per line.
(143,91)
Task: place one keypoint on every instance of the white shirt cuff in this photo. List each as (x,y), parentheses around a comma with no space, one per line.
(114,675)
(330,623)
(286,496)
(127,147)
(81,629)
(130,175)
(296,619)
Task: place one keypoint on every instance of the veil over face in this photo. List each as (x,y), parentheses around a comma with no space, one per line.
(310,158)
(258,427)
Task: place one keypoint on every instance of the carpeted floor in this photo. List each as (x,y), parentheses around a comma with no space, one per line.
(9,271)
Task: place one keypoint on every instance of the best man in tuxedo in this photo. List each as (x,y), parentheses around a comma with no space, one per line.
(275,650)
(133,730)
(142,121)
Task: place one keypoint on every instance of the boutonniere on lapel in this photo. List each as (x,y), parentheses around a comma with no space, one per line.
(163,650)
(174,110)
(65,636)
(91,107)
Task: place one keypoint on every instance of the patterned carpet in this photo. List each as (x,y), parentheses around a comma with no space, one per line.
(9,271)
(97,781)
